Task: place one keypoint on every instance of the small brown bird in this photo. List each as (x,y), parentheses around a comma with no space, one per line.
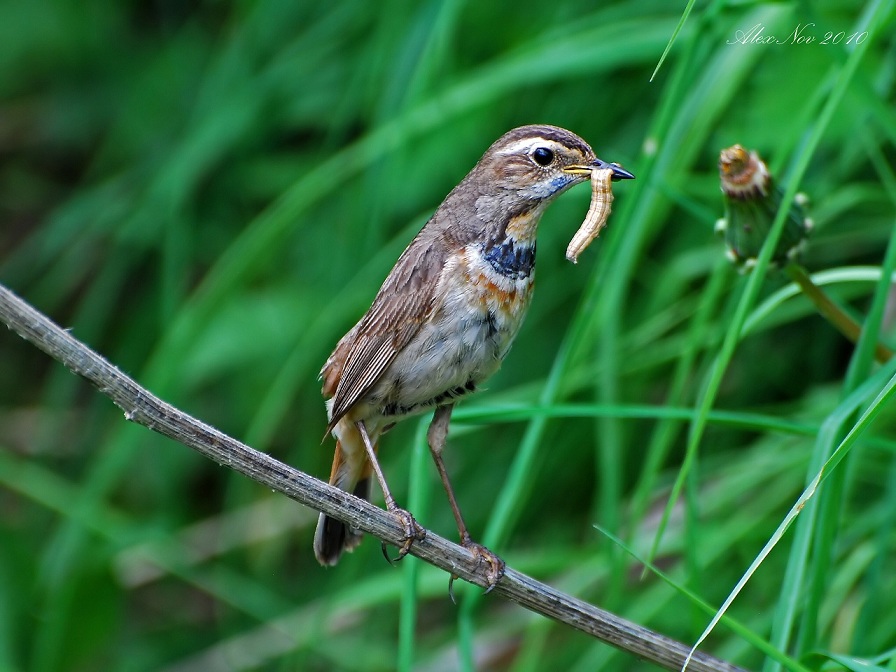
(444,318)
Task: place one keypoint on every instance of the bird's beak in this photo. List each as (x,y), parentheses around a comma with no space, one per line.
(619,173)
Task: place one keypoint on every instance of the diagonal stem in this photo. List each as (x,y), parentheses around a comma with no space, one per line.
(832,312)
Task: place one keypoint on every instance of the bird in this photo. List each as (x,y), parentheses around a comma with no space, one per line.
(444,320)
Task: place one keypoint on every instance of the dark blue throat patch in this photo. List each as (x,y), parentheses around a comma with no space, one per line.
(511,260)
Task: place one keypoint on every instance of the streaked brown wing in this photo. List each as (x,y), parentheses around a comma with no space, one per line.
(404,302)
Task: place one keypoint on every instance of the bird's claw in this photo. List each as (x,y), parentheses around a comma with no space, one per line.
(482,554)
(412,532)
(496,564)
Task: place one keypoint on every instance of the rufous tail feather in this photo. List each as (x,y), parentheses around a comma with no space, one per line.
(332,536)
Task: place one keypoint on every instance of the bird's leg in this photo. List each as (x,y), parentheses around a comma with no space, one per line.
(412,530)
(435,437)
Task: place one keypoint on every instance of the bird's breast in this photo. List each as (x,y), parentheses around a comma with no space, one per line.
(496,279)
(487,292)
(483,295)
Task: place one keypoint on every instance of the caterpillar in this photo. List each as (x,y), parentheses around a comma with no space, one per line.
(598,212)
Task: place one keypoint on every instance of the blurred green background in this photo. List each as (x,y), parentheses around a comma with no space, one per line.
(209,194)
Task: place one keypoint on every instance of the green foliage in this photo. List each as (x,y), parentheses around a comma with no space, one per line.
(210,194)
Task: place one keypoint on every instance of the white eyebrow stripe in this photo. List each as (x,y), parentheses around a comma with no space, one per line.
(528,144)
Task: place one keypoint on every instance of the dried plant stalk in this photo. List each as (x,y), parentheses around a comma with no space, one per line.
(598,212)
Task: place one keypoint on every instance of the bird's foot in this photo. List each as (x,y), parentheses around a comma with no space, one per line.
(495,571)
(412,532)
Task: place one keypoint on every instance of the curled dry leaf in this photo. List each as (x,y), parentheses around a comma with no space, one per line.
(598,212)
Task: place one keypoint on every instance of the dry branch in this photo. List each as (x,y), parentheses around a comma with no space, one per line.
(142,407)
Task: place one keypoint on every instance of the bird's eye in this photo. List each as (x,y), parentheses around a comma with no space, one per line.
(542,156)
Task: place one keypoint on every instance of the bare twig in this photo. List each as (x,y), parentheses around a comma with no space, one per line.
(140,406)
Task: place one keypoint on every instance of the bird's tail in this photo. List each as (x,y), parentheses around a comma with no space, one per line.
(333,536)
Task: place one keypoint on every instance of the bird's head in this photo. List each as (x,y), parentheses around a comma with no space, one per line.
(538,162)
